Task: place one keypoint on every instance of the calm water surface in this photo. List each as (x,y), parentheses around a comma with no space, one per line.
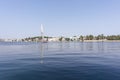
(60,61)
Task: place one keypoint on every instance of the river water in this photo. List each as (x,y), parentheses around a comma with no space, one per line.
(60,61)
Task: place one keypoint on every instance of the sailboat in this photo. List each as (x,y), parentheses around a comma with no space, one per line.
(42,35)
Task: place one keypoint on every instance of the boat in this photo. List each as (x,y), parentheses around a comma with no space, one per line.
(42,35)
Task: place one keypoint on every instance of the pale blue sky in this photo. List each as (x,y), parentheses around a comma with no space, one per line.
(22,18)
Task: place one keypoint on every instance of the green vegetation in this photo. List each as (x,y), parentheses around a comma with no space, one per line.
(67,39)
(102,37)
(113,37)
(61,38)
(75,38)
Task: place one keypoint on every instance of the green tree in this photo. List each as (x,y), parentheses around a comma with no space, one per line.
(67,39)
(89,37)
(81,38)
(61,38)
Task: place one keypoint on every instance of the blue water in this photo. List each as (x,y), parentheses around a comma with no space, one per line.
(60,61)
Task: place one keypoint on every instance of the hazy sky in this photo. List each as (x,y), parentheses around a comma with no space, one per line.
(22,18)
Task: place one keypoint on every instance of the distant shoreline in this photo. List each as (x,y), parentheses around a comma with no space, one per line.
(101,41)
(70,41)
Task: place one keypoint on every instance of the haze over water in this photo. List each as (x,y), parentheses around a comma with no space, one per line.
(60,61)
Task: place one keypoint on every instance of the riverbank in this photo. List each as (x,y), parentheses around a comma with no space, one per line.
(101,41)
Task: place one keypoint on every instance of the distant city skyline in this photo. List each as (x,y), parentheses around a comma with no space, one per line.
(22,18)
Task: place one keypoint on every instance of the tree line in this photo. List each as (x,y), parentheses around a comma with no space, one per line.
(100,37)
(92,37)
(77,38)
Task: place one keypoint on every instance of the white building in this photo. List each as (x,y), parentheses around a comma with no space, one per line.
(53,39)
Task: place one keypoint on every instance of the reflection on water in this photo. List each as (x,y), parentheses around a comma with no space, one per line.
(60,61)
(41,52)
(81,46)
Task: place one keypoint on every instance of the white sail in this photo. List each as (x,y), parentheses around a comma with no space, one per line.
(42,33)
(42,29)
